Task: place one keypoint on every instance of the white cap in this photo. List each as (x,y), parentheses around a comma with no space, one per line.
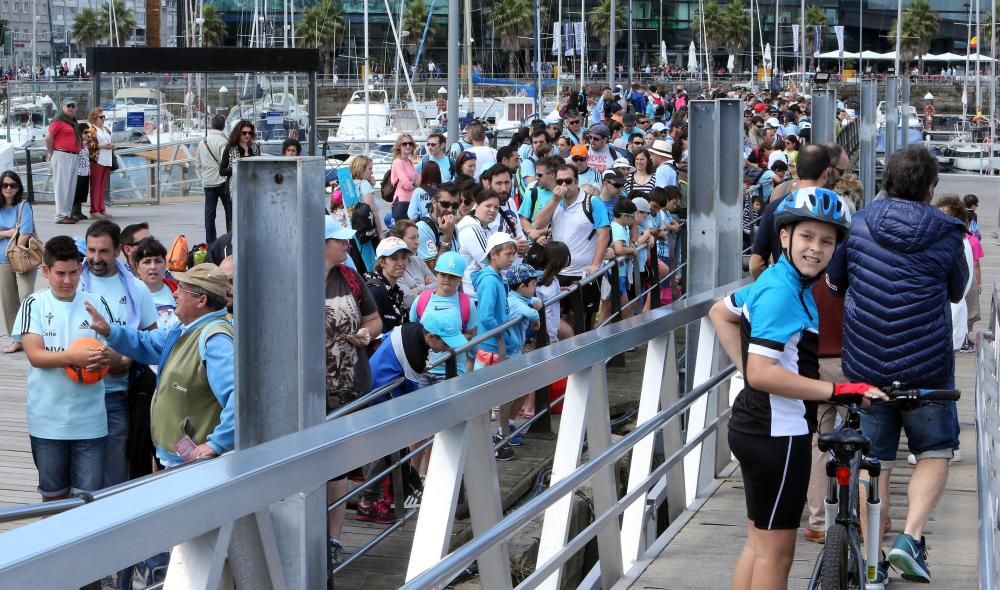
(391,245)
(624,165)
(928,96)
(772,122)
(641,205)
(497,239)
(442,90)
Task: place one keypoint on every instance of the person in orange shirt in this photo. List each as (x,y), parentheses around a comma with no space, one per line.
(63,141)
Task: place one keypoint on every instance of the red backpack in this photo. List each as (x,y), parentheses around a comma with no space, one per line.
(464,305)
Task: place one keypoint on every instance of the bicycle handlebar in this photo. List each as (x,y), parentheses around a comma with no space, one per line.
(921,395)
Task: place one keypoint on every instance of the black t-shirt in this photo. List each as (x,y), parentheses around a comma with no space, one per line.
(767,242)
(389,300)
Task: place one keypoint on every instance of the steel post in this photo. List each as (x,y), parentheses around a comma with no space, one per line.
(703,199)
(904,110)
(454,43)
(891,115)
(279,391)
(311,133)
(611,44)
(866,132)
(730,212)
(824,112)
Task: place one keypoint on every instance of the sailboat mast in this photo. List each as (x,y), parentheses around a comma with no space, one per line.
(979,101)
(365,88)
(399,56)
(559,52)
(468,51)
(753,70)
(583,54)
(538,61)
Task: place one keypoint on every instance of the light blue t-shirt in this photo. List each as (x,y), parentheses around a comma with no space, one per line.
(427,249)
(589,176)
(444,164)
(113,291)
(8,218)
(666,176)
(58,407)
(663,218)
(620,233)
(165,305)
(528,166)
(447,305)
(544,196)
(419,204)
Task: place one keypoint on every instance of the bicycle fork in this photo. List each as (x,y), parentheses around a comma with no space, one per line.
(873,540)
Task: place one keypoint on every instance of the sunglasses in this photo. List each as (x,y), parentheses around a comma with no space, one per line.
(9,185)
(628,215)
(246,132)
(573,123)
(71,105)
(432,145)
(448,204)
(565,181)
(579,159)
(615,184)
(100,116)
(407,143)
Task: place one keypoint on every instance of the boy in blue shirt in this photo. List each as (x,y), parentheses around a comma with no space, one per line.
(493,311)
(446,301)
(622,245)
(522,279)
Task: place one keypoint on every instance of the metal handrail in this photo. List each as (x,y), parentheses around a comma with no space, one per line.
(988,443)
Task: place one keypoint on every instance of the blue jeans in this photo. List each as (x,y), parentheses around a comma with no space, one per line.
(214,194)
(931,430)
(68,466)
(115,461)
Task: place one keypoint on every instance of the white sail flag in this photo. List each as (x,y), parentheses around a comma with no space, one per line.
(816,40)
(795,38)
(839,30)
(556,38)
(580,33)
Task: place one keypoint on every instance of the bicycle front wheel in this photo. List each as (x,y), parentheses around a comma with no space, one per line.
(839,570)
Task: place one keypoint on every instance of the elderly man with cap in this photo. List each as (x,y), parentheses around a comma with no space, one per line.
(588,178)
(666,174)
(600,156)
(193,409)
(62,142)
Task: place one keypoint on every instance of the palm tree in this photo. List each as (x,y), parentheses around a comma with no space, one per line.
(414,20)
(735,27)
(124,20)
(715,28)
(214,28)
(323,24)
(600,22)
(919,27)
(984,39)
(513,21)
(88,28)
(815,18)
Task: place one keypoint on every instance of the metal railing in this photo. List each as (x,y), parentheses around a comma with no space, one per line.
(988,448)
(184,504)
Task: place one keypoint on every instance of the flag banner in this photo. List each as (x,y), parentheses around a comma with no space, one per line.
(569,39)
(556,38)
(816,40)
(795,38)
(839,30)
(580,39)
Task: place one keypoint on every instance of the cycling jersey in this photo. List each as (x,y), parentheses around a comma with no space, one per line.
(780,321)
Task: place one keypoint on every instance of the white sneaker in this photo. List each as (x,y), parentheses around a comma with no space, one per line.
(911,459)
(957,458)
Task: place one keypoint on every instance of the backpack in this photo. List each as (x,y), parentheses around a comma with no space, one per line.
(434,228)
(363,223)
(511,224)
(388,189)
(464,305)
(588,210)
(177,256)
(197,255)
(451,164)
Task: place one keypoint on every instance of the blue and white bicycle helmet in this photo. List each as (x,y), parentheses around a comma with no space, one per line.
(814,204)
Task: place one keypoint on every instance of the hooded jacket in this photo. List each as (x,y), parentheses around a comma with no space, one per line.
(520,305)
(900,268)
(492,308)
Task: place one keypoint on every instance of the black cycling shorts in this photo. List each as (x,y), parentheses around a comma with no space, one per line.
(775,477)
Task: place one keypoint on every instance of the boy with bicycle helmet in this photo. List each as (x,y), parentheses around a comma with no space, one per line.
(770,331)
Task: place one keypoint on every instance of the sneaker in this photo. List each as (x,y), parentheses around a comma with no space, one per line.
(910,557)
(335,550)
(503,452)
(814,536)
(968,347)
(882,573)
(414,493)
(515,440)
(957,456)
(911,459)
(379,512)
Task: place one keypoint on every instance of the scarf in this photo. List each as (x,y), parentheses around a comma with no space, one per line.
(132,313)
(72,123)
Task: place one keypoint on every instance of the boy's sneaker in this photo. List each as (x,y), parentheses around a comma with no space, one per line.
(515,440)
(909,556)
(503,452)
(882,572)
(379,512)
(335,550)
(956,456)
(967,347)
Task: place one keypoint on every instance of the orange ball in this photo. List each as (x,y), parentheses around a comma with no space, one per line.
(81,374)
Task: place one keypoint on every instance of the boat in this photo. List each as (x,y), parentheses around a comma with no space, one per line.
(378,120)
(29,118)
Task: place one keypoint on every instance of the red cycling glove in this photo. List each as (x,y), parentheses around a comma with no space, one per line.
(856,389)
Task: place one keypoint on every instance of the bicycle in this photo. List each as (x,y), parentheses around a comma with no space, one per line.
(841,564)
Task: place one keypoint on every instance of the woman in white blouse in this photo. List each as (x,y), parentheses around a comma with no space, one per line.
(100,168)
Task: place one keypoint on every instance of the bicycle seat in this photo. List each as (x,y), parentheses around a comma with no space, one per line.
(842,438)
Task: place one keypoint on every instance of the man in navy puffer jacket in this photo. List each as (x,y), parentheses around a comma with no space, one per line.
(900,267)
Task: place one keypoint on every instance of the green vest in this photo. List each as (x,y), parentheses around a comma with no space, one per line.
(184,402)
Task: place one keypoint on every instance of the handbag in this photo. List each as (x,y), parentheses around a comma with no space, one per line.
(25,258)
(115,165)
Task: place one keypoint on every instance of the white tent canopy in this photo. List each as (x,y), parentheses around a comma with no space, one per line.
(891,55)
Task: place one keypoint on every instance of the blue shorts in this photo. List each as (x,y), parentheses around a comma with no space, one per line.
(623,286)
(68,466)
(930,431)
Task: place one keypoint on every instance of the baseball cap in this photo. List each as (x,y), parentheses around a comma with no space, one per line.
(600,130)
(447,326)
(624,165)
(207,276)
(520,273)
(579,151)
(772,122)
(69,100)
(613,176)
(391,245)
(497,239)
(335,231)
(658,127)
(553,119)
(450,263)
(641,205)
(759,107)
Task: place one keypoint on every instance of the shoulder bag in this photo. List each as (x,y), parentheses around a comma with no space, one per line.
(24,258)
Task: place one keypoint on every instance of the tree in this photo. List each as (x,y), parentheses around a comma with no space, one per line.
(986,36)
(88,28)
(715,29)
(414,20)
(323,24)
(213,29)
(600,22)
(815,17)
(513,21)
(123,19)
(735,28)
(919,27)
